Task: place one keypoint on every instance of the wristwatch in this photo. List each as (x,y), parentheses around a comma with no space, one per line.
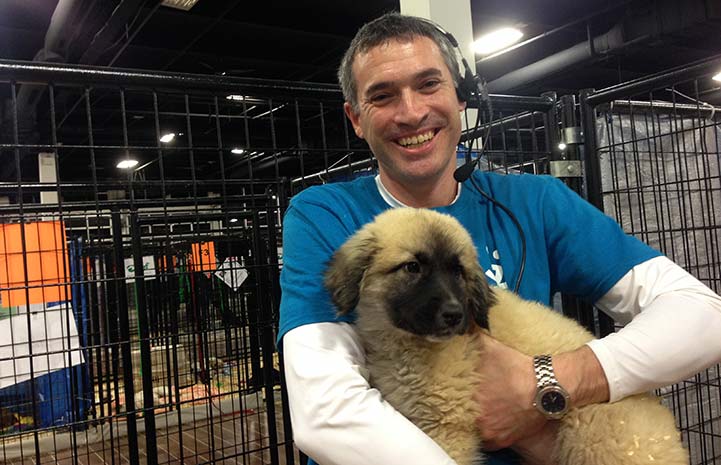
(551,399)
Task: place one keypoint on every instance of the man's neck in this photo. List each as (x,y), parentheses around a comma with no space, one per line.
(423,195)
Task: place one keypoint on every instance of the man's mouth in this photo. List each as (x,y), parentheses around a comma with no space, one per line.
(417,140)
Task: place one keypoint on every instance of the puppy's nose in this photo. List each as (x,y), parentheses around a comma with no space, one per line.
(451,314)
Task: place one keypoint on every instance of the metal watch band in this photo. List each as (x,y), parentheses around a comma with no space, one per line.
(543,367)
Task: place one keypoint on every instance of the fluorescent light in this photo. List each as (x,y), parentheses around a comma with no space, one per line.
(235,97)
(234,220)
(237,151)
(165,138)
(562,146)
(497,40)
(180,4)
(127,164)
(717,77)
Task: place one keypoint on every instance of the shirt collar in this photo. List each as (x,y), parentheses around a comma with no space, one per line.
(394,202)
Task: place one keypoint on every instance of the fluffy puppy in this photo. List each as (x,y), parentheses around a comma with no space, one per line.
(414,280)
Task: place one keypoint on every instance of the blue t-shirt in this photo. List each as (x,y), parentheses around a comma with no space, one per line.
(571,246)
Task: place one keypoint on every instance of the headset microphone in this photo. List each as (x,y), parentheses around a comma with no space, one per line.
(469,87)
(464,171)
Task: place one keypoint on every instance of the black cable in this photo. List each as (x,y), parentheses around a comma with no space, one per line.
(513,218)
(472,86)
(465,172)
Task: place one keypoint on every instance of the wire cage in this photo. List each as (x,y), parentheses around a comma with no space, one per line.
(653,163)
(139,306)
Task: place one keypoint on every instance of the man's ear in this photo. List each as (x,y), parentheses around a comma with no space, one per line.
(346,269)
(481,298)
(354,119)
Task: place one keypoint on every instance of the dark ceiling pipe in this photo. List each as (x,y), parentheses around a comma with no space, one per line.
(602,44)
(666,17)
(54,49)
(61,27)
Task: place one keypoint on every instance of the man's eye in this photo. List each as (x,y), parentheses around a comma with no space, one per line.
(431,84)
(379,98)
(412,267)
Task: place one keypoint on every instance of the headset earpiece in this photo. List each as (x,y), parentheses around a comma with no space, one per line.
(466,87)
(468,84)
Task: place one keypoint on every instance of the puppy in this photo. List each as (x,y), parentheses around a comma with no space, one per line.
(413,278)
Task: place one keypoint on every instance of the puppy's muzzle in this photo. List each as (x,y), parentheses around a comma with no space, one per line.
(451,316)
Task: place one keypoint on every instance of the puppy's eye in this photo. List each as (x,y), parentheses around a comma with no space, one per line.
(412,267)
(458,270)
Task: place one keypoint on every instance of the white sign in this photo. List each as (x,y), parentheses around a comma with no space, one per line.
(232,273)
(54,338)
(148,267)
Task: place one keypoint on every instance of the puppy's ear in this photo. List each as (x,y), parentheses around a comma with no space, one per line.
(481,298)
(346,268)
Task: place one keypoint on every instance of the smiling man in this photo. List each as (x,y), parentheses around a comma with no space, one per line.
(399,79)
(408,112)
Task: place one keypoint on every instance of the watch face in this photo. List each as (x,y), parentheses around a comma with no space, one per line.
(553,402)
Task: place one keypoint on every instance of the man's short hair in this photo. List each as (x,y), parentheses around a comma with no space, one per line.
(392,26)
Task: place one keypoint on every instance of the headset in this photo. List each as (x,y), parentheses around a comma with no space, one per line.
(473,86)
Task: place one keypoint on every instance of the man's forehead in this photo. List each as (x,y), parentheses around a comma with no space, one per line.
(418,41)
(389,52)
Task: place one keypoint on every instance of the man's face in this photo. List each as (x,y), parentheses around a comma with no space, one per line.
(408,110)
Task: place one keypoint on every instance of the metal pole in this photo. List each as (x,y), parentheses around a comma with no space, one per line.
(122,304)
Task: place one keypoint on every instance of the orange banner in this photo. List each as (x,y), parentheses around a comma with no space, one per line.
(47,264)
(204,256)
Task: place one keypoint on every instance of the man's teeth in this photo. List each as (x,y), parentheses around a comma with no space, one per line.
(415,140)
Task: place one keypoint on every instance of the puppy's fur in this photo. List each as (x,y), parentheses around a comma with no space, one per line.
(414,280)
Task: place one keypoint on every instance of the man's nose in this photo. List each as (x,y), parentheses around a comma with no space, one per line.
(412,110)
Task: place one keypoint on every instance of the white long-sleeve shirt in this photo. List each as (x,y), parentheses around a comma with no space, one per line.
(673,329)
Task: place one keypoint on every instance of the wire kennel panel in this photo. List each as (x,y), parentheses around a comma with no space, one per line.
(653,163)
(516,134)
(164,277)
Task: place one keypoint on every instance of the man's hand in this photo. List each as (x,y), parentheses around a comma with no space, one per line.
(509,387)
(506,398)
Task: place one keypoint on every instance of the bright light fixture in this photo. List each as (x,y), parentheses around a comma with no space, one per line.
(497,40)
(165,138)
(562,146)
(234,220)
(236,97)
(717,77)
(237,151)
(180,4)
(127,164)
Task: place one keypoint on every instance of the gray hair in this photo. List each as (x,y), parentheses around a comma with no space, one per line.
(392,26)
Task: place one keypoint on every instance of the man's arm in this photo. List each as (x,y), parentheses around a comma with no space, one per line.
(337,418)
(674,322)
(674,332)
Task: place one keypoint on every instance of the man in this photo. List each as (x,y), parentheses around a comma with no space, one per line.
(399,79)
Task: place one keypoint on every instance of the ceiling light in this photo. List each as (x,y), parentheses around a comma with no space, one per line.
(127,164)
(235,97)
(180,4)
(497,40)
(717,77)
(237,151)
(234,220)
(562,146)
(165,138)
